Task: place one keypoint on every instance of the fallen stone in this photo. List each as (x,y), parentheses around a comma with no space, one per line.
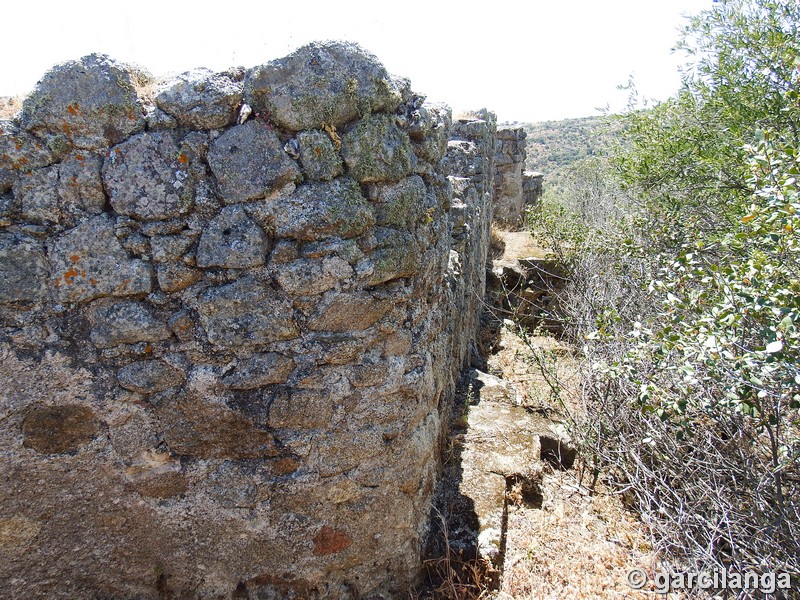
(149,376)
(377,150)
(232,240)
(328,82)
(88,262)
(92,101)
(146,178)
(246,313)
(124,322)
(322,210)
(249,162)
(200,99)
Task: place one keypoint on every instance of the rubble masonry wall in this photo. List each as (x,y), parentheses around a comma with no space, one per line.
(233,309)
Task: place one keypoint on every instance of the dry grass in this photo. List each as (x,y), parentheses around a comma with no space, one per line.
(9,106)
(578,545)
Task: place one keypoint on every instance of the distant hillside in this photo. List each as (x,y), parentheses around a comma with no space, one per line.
(554,145)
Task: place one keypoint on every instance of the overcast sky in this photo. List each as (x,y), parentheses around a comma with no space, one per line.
(527,61)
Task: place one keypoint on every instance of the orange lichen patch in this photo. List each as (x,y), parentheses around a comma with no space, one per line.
(148,349)
(331,541)
(70,275)
(80,157)
(74,109)
(92,281)
(18,145)
(183,159)
(75,258)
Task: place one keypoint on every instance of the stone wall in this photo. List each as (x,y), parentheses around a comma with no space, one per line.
(231,321)
(514,188)
(470,160)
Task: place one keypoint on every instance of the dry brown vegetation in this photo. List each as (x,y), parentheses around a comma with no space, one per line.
(9,106)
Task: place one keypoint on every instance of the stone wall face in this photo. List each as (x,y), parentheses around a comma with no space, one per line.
(231,316)
(470,160)
(509,199)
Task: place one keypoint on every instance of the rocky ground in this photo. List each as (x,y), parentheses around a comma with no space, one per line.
(515,493)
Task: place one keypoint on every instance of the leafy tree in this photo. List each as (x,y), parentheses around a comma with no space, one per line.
(693,388)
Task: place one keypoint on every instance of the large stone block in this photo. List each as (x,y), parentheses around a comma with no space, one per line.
(246,313)
(249,162)
(200,99)
(323,210)
(330,82)
(146,177)
(92,102)
(88,262)
(23,269)
(376,149)
(232,240)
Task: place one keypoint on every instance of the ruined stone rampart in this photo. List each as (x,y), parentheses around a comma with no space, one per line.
(515,189)
(233,309)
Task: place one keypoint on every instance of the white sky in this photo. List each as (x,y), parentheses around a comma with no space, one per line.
(527,61)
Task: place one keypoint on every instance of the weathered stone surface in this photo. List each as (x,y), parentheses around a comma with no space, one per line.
(319,157)
(267,414)
(23,269)
(246,313)
(20,151)
(173,277)
(89,262)
(124,322)
(396,256)
(92,101)
(329,82)
(157,475)
(232,240)
(429,129)
(400,204)
(59,429)
(249,162)
(259,370)
(149,376)
(80,186)
(170,247)
(308,276)
(200,99)
(322,210)
(206,428)
(37,195)
(348,312)
(147,177)
(302,409)
(377,150)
